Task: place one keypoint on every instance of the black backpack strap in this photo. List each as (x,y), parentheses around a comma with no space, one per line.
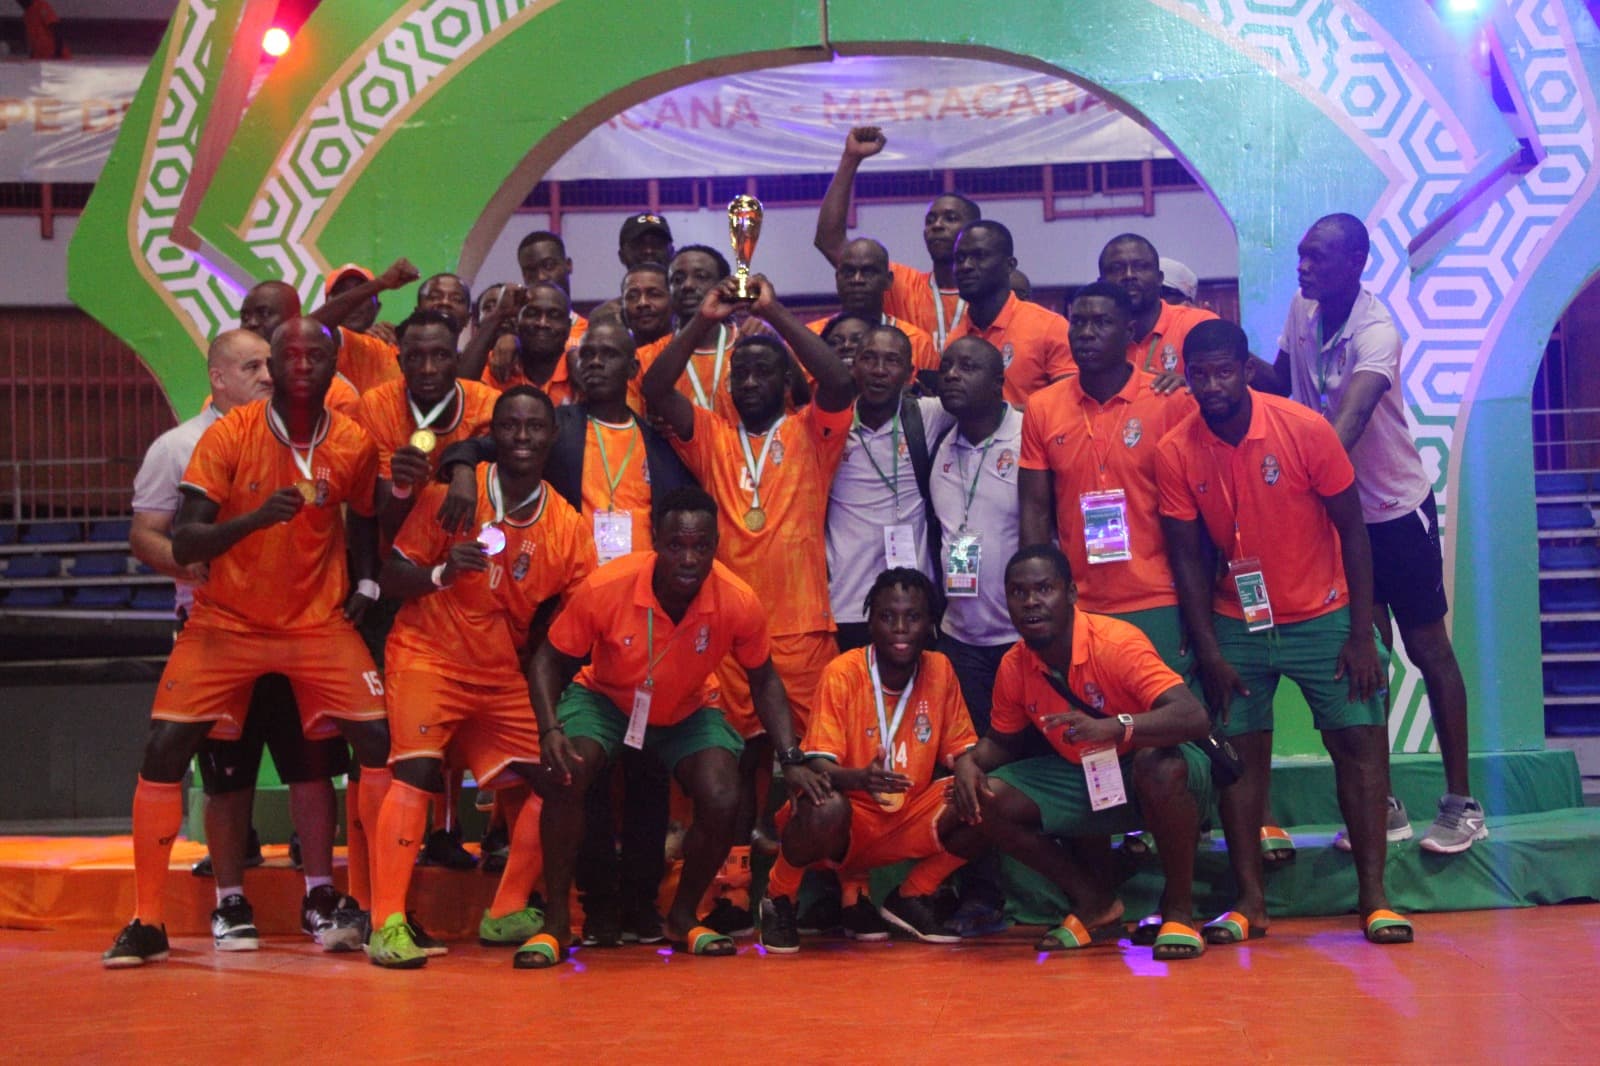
(1059,683)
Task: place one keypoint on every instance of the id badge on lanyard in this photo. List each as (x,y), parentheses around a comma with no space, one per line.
(1102,770)
(962,558)
(1105,526)
(899,546)
(1251,584)
(639,719)
(613,534)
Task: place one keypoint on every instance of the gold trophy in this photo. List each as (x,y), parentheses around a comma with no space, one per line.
(744,230)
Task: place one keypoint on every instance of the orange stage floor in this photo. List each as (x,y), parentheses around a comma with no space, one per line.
(1482,986)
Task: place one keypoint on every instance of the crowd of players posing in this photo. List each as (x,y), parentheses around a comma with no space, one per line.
(695,536)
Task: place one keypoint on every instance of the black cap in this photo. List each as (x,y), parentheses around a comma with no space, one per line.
(639,225)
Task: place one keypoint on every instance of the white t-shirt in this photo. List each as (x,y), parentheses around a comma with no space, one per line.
(1390,478)
(155,488)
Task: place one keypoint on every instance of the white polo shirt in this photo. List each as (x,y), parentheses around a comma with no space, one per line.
(155,487)
(987,470)
(873,488)
(1390,477)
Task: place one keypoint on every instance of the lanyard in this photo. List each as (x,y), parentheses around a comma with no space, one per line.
(301,462)
(424,421)
(613,480)
(651,658)
(756,465)
(497,499)
(1227,498)
(892,480)
(1100,458)
(938,309)
(887,727)
(700,395)
(1324,364)
(961,468)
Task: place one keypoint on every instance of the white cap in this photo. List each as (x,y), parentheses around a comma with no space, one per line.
(1174,275)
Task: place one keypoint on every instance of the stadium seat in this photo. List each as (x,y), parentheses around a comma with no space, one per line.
(155,598)
(1569,557)
(1560,483)
(102,597)
(1572,679)
(1569,595)
(1570,721)
(25,566)
(1571,636)
(8,534)
(100,564)
(1565,516)
(53,533)
(110,531)
(36,597)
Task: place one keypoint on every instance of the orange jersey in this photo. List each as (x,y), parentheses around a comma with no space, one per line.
(1091,447)
(343,397)
(615,619)
(1032,342)
(623,452)
(387,418)
(785,560)
(560,387)
(477,627)
(1263,499)
(366,360)
(1163,348)
(924,356)
(844,723)
(703,378)
(292,575)
(1115,669)
(910,297)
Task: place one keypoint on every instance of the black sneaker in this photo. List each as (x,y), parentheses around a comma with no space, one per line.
(295,858)
(861,922)
(136,945)
(334,921)
(825,915)
(496,849)
(233,925)
(252,858)
(914,915)
(443,848)
(426,942)
(730,920)
(602,924)
(780,933)
(642,925)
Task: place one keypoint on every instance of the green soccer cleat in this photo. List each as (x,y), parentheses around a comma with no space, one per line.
(391,946)
(511,930)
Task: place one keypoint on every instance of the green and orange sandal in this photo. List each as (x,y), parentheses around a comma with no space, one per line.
(1277,846)
(540,952)
(703,940)
(1146,930)
(1177,941)
(1384,926)
(1231,928)
(1072,935)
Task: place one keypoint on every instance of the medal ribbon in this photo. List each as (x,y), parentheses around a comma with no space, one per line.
(756,465)
(887,727)
(424,421)
(301,462)
(613,480)
(497,498)
(938,309)
(700,395)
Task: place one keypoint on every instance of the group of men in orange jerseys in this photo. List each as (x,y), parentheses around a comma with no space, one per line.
(573,545)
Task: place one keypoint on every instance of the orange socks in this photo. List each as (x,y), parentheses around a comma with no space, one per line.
(400,826)
(926,876)
(525,863)
(358,869)
(157,817)
(784,880)
(369,804)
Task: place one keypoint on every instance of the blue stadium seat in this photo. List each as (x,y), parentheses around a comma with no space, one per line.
(1572,721)
(100,564)
(36,597)
(1569,557)
(1570,595)
(155,598)
(8,534)
(1572,679)
(110,531)
(102,597)
(1571,636)
(33,566)
(1565,516)
(53,533)
(1560,483)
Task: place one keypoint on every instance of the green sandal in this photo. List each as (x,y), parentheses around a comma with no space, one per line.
(1177,941)
(1072,934)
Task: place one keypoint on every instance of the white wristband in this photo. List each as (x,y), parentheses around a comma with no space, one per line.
(438,576)
(369,588)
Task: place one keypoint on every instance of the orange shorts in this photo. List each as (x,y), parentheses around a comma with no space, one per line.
(210,673)
(483,728)
(799,659)
(879,837)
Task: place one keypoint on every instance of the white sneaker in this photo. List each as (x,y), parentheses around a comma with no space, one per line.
(1459,825)
(1396,829)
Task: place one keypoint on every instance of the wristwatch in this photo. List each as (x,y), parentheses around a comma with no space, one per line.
(791,757)
(1127,727)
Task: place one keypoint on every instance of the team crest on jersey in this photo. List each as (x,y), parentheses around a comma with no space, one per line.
(1201,488)
(1132,433)
(922,728)
(1006,352)
(777,452)
(1270,471)
(1096,698)
(1169,358)
(519,569)
(702,639)
(1061,440)
(324,475)
(1006,460)
(627,641)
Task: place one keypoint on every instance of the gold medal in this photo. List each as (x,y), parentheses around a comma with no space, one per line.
(890,801)
(308,490)
(755,519)
(425,441)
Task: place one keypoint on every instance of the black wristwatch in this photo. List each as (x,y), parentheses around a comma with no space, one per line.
(791,757)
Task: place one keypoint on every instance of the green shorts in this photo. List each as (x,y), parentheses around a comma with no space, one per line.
(583,712)
(1058,788)
(1307,653)
(1164,627)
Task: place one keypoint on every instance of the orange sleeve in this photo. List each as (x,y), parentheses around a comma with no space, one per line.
(422,540)
(700,452)
(1173,487)
(908,289)
(579,548)
(830,430)
(215,460)
(1034,455)
(751,644)
(825,732)
(364,483)
(573,631)
(956,722)
(367,361)
(1140,676)
(1007,714)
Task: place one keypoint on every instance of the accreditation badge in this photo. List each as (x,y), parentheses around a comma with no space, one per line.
(1251,584)
(613,534)
(1102,770)
(639,719)
(1105,526)
(899,546)
(963,555)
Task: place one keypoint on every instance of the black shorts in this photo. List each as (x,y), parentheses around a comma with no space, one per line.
(273,723)
(1408,566)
